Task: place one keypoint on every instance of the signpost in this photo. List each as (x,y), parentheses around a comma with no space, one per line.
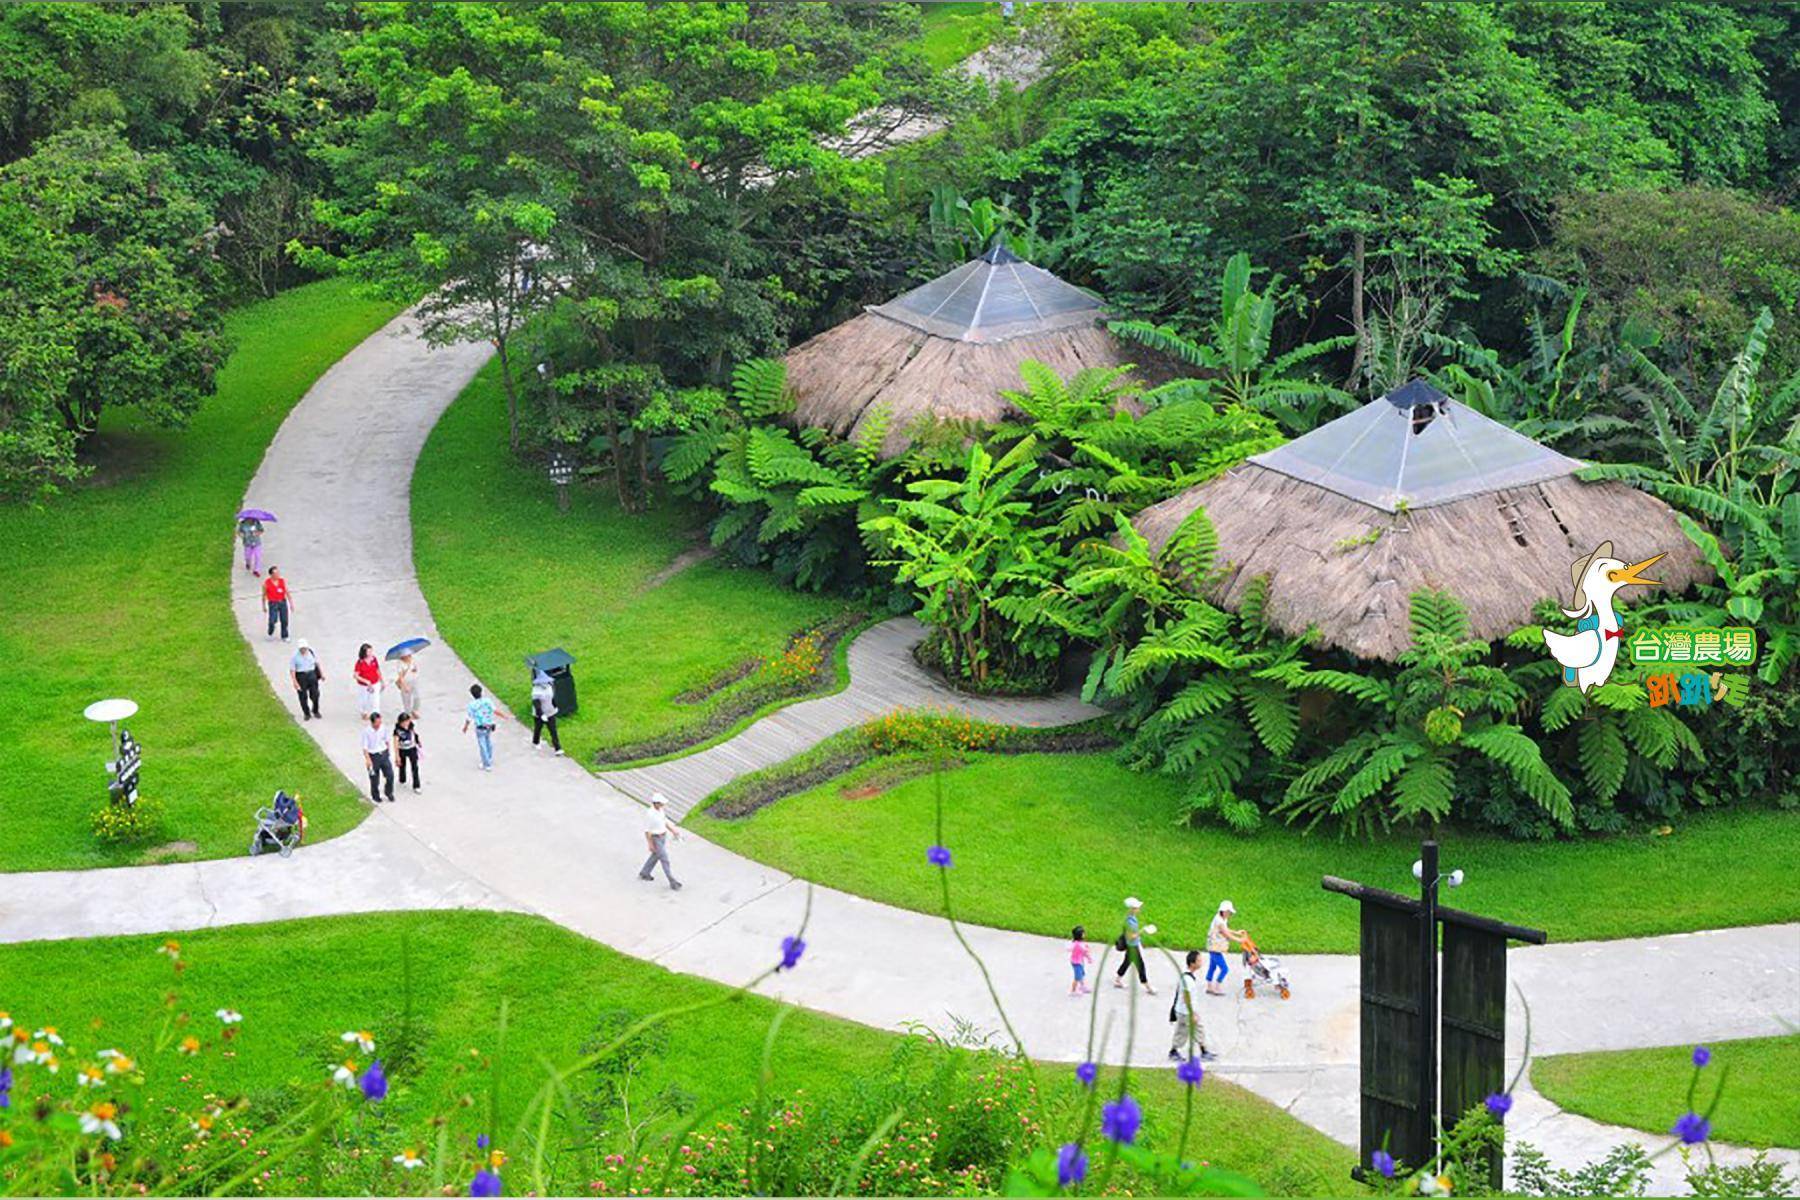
(127,755)
(1407,1036)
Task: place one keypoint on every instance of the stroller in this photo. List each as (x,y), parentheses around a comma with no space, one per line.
(279,827)
(1262,971)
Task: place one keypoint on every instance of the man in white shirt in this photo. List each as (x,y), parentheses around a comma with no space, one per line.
(378,758)
(658,829)
(1190,1034)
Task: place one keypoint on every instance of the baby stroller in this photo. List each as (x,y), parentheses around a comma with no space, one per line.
(1262,971)
(279,827)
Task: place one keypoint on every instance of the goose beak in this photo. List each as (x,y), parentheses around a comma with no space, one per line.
(1630,574)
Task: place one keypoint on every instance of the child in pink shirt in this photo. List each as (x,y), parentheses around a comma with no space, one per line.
(1079,957)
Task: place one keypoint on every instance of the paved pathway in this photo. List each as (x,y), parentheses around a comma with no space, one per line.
(540,835)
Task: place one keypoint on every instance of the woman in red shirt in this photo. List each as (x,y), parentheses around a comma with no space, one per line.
(367,673)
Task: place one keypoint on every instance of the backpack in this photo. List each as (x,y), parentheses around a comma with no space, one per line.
(1175,1003)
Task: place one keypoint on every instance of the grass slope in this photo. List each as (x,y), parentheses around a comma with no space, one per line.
(1043,842)
(120,588)
(950,32)
(299,984)
(507,575)
(1647,1089)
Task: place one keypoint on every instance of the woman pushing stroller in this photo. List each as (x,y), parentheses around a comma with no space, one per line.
(1219,936)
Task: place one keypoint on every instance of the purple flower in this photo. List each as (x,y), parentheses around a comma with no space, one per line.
(938,856)
(1190,1072)
(374,1082)
(1692,1128)
(1382,1161)
(791,950)
(1071,1165)
(5,1087)
(1087,1072)
(1120,1119)
(1499,1104)
(481,1141)
(485,1183)
(1702,1056)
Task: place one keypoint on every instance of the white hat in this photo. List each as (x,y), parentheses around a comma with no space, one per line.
(1227,906)
(1133,902)
(658,799)
(302,644)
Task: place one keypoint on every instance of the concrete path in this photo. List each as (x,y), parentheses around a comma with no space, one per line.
(540,835)
(884,676)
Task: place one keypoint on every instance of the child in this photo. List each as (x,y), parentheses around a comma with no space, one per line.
(406,741)
(1079,957)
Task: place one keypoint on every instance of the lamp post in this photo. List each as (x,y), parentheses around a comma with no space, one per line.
(1425,870)
(562,473)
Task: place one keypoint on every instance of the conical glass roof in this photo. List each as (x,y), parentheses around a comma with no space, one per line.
(1415,447)
(990,299)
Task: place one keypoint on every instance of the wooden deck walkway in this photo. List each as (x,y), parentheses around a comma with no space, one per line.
(883,677)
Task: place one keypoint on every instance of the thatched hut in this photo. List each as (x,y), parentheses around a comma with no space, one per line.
(1415,491)
(947,348)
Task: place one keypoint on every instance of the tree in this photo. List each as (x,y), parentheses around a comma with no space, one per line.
(37,357)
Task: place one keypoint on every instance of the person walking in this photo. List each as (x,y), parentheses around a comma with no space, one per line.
(307,674)
(367,675)
(378,758)
(480,714)
(1190,1033)
(1131,941)
(406,746)
(658,829)
(277,602)
(250,532)
(407,680)
(543,711)
(1079,957)
(1219,936)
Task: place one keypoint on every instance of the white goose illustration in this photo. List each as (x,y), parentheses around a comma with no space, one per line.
(1587,655)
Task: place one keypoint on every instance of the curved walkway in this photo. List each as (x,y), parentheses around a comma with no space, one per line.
(540,835)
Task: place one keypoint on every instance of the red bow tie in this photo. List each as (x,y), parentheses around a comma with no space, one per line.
(1614,633)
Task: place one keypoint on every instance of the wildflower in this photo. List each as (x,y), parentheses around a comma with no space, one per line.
(1190,1072)
(1702,1056)
(374,1082)
(485,1183)
(48,1034)
(1434,1185)
(90,1077)
(6,1139)
(481,1141)
(31,1052)
(1086,1073)
(345,1073)
(6,1021)
(190,1045)
(50,1063)
(408,1159)
(364,1040)
(202,1125)
(5,1087)
(100,1119)
(1120,1119)
(170,948)
(496,1159)
(1071,1165)
(1692,1128)
(938,856)
(228,1016)
(119,1064)
(1383,1162)
(791,950)
(1499,1104)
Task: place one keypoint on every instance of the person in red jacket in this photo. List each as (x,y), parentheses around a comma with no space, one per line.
(276,602)
(367,674)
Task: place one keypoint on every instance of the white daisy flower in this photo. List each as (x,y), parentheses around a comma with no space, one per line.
(229,1016)
(5,1021)
(345,1073)
(100,1119)
(118,1064)
(408,1159)
(365,1041)
(48,1034)
(90,1077)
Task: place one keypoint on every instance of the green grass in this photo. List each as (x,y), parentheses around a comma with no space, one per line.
(1043,842)
(1647,1089)
(507,575)
(949,33)
(299,984)
(120,587)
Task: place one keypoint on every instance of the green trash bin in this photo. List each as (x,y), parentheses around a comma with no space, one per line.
(559,665)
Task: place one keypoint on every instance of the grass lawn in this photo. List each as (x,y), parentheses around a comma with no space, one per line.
(1647,1089)
(1043,842)
(119,587)
(300,984)
(507,575)
(949,33)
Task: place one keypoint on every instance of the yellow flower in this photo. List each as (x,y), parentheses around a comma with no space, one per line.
(6,1139)
(90,1077)
(189,1045)
(119,1065)
(409,1159)
(202,1125)
(170,948)
(496,1159)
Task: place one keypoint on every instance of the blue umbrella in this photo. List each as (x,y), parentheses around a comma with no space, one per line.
(410,646)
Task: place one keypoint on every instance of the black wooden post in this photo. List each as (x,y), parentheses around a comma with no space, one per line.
(1428,989)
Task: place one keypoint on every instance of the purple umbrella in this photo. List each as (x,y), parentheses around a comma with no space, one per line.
(256,514)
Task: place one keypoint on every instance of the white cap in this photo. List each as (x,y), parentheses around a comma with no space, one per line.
(302,644)
(1133,902)
(658,799)
(1227,906)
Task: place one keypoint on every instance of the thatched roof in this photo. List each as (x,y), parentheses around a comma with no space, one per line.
(948,348)
(1410,492)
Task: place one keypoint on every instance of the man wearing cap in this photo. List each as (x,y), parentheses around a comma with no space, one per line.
(305,671)
(1131,942)
(1219,936)
(658,829)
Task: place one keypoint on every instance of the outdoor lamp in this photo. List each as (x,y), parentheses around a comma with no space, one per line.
(562,473)
(1454,878)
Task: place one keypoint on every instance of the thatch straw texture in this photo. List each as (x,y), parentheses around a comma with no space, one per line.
(1498,552)
(842,375)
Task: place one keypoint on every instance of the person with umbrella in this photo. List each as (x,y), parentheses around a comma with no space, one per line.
(406,678)
(250,532)
(543,711)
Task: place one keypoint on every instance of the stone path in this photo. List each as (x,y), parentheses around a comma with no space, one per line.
(539,835)
(883,677)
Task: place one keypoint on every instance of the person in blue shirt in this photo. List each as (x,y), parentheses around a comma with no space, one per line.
(481,715)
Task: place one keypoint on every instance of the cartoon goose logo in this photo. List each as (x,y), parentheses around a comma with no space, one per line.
(1587,655)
